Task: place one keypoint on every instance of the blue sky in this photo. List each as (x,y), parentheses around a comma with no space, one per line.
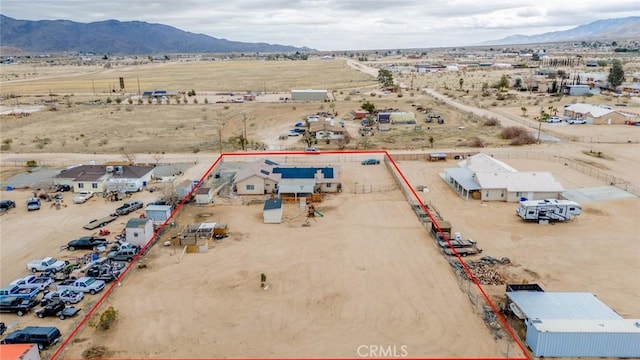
(339,24)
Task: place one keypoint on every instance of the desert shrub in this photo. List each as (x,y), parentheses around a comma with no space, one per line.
(518,135)
(109,100)
(347,98)
(96,352)
(195,101)
(118,100)
(32,163)
(399,95)
(492,122)
(475,142)
(485,94)
(494,103)
(130,101)
(206,101)
(373,94)
(128,108)
(106,319)
(140,101)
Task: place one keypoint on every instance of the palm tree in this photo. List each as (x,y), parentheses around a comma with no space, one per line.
(461,83)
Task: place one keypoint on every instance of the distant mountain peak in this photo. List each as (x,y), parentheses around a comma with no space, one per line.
(118,37)
(607,29)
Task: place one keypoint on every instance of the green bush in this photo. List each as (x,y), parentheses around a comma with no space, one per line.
(32,163)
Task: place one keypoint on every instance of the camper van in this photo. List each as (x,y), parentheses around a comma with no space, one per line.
(548,210)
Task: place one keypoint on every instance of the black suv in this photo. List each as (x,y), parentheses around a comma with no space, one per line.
(7,204)
(86,242)
(44,336)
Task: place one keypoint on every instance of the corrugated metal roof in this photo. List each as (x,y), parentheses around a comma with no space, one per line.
(137,223)
(158,208)
(296,186)
(560,305)
(519,181)
(587,325)
(464,177)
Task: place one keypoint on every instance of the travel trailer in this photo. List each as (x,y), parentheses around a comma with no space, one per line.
(548,210)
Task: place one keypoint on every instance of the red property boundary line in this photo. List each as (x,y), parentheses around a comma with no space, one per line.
(57,354)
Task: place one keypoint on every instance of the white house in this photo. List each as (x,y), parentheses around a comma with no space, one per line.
(128,178)
(203,195)
(272,211)
(139,231)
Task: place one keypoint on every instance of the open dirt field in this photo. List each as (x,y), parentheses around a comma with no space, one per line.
(365,274)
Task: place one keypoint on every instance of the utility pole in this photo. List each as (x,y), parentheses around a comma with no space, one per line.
(244,131)
(220,138)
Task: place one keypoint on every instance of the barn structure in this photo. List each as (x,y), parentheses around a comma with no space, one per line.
(572,324)
(310,95)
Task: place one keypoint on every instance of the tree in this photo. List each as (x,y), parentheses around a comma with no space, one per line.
(524,111)
(385,77)
(518,83)
(616,74)
(431,140)
(461,83)
(503,83)
(368,107)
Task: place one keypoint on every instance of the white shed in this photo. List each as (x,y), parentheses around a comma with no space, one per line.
(272,211)
(139,231)
(204,195)
(158,213)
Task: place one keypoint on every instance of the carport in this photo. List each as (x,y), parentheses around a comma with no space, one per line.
(462,180)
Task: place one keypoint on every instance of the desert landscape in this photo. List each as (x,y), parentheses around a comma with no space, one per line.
(367,273)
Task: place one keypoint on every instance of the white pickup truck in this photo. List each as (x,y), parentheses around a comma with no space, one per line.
(82,197)
(84,284)
(33,282)
(46,264)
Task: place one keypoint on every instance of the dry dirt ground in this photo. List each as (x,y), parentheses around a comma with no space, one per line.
(338,286)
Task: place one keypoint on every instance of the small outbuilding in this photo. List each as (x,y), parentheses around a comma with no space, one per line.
(158,213)
(139,231)
(272,211)
(19,352)
(204,195)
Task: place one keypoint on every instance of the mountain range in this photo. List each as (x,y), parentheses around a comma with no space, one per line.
(116,37)
(608,29)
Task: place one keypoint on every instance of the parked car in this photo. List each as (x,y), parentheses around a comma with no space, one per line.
(298,130)
(124,254)
(17,305)
(3,328)
(57,308)
(128,207)
(66,296)
(43,336)
(7,204)
(370,162)
(82,197)
(86,242)
(33,204)
(292,133)
(63,187)
(554,119)
(576,121)
(299,124)
(311,150)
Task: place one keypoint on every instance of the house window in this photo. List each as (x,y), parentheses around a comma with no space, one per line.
(487,194)
(251,187)
(94,185)
(81,185)
(502,194)
(328,186)
(135,234)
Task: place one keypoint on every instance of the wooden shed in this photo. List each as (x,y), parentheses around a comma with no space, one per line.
(203,195)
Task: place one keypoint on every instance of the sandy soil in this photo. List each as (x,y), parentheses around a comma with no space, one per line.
(366,273)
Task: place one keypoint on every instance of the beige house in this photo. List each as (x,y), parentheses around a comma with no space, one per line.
(485,178)
(203,195)
(257,179)
(600,115)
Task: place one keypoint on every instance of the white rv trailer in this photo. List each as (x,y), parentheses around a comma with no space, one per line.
(548,210)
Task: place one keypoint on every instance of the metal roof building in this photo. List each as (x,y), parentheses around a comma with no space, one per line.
(574,325)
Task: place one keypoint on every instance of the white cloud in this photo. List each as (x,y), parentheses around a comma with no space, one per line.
(340,24)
